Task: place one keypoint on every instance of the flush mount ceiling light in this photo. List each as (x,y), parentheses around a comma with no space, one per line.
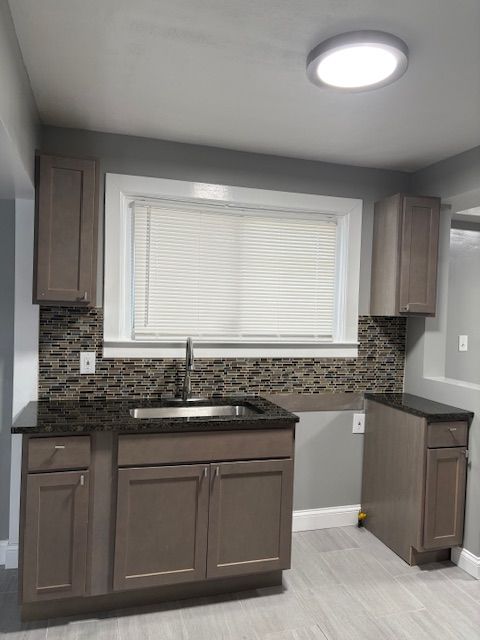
(358,60)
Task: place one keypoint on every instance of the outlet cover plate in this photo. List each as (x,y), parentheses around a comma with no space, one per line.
(87,362)
(358,423)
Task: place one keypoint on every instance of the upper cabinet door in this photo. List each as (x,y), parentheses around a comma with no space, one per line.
(419,255)
(250,522)
(162,519)
(66,233)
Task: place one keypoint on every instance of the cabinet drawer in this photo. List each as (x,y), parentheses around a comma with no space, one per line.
(154,449)
(447,434)
(56,454)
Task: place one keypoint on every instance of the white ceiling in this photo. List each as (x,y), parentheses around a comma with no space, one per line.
(231,73)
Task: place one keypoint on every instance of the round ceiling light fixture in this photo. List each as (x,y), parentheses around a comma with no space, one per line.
(358,60)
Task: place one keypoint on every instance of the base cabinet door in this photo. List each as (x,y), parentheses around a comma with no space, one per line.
(444,497)
(55,536)
(250,519)
(161,529)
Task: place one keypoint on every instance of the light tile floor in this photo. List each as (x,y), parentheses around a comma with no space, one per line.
(344,585)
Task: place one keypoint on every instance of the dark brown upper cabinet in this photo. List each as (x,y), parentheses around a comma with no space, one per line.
(405,256)
(66,232)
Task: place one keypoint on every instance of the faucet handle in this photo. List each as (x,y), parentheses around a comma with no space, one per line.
(189,358)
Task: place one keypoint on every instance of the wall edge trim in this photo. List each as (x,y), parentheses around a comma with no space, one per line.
(467,561)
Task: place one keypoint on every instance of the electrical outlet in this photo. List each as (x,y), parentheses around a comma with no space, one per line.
(358,423)
(463,343)
(87,362)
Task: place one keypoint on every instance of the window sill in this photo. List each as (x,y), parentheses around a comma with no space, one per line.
(143,350)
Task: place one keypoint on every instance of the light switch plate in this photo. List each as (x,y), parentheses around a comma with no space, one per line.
(463,343)
(358,423)
(87,362)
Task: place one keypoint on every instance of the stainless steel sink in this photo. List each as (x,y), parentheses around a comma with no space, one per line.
(236,411)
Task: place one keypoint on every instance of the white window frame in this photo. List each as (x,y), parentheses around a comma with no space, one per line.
(121,190)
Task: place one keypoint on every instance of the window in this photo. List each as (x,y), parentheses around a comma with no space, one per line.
(231,275)
(241,278)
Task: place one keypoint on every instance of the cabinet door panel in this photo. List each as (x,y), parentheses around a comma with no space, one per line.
(161,534)
(250,522)
(444,497)
(66,231)
(419,254)
(55,542)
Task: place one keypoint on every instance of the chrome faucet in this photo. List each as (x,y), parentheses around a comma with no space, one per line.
(189,367)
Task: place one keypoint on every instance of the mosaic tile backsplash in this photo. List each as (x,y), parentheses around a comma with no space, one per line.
(64,332)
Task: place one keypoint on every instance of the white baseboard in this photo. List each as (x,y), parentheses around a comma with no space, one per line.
(8,555)
(325,518)
(467,561)
(3,551)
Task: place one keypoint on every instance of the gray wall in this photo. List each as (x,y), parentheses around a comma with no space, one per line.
(452,178)
(328,460)
(19,131)
(157,158)
(464,304)
(18,113)
(7,286)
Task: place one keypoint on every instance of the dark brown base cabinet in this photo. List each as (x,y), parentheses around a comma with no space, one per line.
(182,527)
(250,517)
(414,481)
(55,538)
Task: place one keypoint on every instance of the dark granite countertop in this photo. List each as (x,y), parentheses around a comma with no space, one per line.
(77,416)
(432,411)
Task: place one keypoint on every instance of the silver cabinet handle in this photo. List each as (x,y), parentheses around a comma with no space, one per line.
(452,429)
(205,472)
(217,471)
(59,446)
(82,480)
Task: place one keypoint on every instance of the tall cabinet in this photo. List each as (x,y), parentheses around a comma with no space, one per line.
(405,256)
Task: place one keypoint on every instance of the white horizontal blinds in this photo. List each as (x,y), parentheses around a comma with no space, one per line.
(232,275)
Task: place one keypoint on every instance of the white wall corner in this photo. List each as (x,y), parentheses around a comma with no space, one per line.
(467,561)
(325,518)
(11,556)
(3,551)
(8,555)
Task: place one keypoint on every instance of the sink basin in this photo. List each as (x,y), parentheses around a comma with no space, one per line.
(212,411)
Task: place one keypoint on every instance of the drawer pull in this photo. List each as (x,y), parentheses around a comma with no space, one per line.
(452,429)
(217,471)
(59,446)
(82,480)
(205,472)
